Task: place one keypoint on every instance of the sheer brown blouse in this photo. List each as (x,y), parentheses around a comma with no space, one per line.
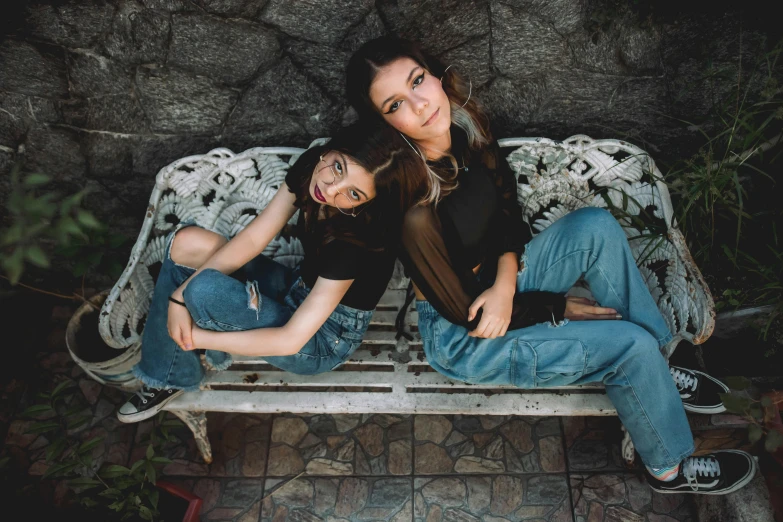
(473,225)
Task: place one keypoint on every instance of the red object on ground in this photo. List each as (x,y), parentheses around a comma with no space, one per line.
(194,502)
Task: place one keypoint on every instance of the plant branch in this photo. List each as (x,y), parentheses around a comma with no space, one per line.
(74,297)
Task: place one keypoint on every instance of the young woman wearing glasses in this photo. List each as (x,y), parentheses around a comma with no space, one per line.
(351,194)
(491,298)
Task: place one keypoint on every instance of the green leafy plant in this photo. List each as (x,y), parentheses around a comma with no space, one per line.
(61,415)
(761,410)
(725,188)
(744,137)
(39,219)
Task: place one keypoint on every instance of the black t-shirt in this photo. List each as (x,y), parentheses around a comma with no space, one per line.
(474,224)
(340,247)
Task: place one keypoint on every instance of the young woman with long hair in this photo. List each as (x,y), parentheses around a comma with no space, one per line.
(491,298)
(351,194)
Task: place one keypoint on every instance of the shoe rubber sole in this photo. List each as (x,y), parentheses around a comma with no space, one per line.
(146,414)
(736,486)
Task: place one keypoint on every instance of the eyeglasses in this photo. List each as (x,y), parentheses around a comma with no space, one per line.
(341,200)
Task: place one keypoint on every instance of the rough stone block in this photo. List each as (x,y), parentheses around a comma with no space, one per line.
(439,25)
(284,93)
(173,6)
(472,60)
(640,49)
(154,152)
(575,98)
(38,70)
(243,8)
(113,113)
(138,35)
(110,155)
(178,102)
(316,21)
(72,24)
(565,16)
(228,50)
(56,152)
(92,74)
(369,28)
(523,45)
(14,118)
(324,64)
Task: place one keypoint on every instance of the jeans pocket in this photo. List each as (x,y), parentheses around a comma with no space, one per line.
(559,362)
(343,350)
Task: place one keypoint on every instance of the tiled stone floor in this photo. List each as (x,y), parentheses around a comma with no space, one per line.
(423,468)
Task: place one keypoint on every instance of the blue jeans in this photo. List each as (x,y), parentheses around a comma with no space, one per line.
(624,355)
(222,303)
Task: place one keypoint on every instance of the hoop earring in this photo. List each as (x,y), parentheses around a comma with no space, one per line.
(411,146)
(470,92)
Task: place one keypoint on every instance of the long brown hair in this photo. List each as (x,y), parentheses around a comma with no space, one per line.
(397,172)
(466,112)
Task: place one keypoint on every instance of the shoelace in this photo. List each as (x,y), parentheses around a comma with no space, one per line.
(683,380)
(704,466)
(143,394)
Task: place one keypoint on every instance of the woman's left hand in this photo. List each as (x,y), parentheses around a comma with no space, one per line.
(196,337)
(496,317)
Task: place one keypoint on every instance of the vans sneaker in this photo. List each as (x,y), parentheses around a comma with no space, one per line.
(699,392)
(718,473)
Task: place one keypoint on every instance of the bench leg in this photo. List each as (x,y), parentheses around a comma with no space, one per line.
(629,454)
(197,422)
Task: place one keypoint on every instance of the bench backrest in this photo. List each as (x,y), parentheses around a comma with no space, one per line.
(223,192)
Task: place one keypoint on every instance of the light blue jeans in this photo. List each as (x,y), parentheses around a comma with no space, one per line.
(222,303)
(624,354)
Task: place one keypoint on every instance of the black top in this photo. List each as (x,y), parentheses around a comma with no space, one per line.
(340,247)
(474,224)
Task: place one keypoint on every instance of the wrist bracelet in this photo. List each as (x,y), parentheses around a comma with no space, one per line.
(178,302)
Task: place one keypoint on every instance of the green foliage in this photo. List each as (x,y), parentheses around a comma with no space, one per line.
(62,415)
(761,411)
(726,187)
(39,218)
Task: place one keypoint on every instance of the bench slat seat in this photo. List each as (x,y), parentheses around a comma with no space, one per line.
(223,191)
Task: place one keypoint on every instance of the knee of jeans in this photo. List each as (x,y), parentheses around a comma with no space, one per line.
(202,288)
(644,344)
(599,223)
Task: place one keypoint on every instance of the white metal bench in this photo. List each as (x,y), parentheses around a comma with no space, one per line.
(223,191)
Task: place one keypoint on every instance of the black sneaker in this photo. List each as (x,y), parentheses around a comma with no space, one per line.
(145,403)
(699,392)
(718,473)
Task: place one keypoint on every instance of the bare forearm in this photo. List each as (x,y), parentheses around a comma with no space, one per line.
(259,342)
(506,279)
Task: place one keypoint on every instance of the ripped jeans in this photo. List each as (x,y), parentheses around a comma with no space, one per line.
(624,355)
(222,303)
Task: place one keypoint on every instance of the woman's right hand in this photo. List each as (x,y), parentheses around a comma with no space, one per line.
(180,326)
(581,309)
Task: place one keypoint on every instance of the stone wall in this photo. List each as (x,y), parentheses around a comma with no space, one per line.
(103,93)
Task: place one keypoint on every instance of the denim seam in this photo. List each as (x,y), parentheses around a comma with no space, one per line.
(534,367)
(207,324)
(649,423)
(155,383)
(438,334)
(592,259)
